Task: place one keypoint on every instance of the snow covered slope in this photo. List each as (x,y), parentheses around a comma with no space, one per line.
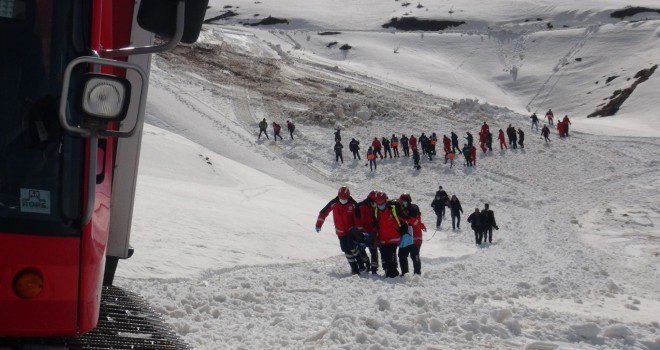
(223,230)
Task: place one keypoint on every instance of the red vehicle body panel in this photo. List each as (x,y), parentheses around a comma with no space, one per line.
(54,311)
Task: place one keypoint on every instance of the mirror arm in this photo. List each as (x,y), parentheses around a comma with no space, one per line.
(169,45)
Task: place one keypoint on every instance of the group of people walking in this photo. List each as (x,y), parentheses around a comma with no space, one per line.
(391,228)
(263,128)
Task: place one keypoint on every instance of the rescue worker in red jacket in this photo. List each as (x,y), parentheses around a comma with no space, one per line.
(446,142)
(415,221)
(500,137)
(377,147)
(485,128)
(344,212)
(413,142)
(390,225)
(368,229)
(560,128)
(473,155)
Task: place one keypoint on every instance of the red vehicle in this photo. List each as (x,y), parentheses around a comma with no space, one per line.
(72,99)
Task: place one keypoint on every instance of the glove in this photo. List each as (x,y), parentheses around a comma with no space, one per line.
(423,227)
(318,229)
(497,228)
(403,229)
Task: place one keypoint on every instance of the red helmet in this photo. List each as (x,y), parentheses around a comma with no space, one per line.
(372,195)
(344,193)
(381,198)
(405,197)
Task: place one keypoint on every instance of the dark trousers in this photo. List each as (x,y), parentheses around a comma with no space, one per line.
(265,133)
(373,251)
(406,151)
(356,155)
(388,151)
(291,134)
(388,258)
(277,134)
(372,165)
(456,220)
(478,234)
(351,251)
(339,156)
(413,251)
(488,235)
(396,151)
(438,215)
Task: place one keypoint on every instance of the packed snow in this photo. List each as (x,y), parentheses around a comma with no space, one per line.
(224,222)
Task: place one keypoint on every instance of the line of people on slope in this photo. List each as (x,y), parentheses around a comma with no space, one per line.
(392,228)
(263,126)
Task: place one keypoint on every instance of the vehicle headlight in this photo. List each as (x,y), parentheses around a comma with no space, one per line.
(105,97)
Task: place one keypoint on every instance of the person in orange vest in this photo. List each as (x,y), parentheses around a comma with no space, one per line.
(345,214)
(390,224)
(500,137)
(566,122)
(434,141)
(415,221)
(394,141)
(371,157)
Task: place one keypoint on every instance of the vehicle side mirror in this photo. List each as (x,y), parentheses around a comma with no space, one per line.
(159,17)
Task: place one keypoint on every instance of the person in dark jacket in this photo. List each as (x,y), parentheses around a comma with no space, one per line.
(291,128)
(262,128)
(386,147)
(405,145)
(455,210)
(489,141)
(416,159)
(438,206)
(521,138)
(488,223)
(338,153)
(276,131)
(469,138)
(454,142)
(475,219)
(467,155)
(535,121)
(444,197)
(338,135)
(513,137)
(545,132)
(354,146)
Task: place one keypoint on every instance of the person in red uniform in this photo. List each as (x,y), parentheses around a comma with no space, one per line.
(485,128)
(412,142)
(367,228)
(390,225)
(446,142)
(560,128)
(500,137)
(377,147)
(344,212)
(482,140)
(473,155)
(415,221)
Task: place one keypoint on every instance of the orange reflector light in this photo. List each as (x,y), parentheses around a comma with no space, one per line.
(28,284)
